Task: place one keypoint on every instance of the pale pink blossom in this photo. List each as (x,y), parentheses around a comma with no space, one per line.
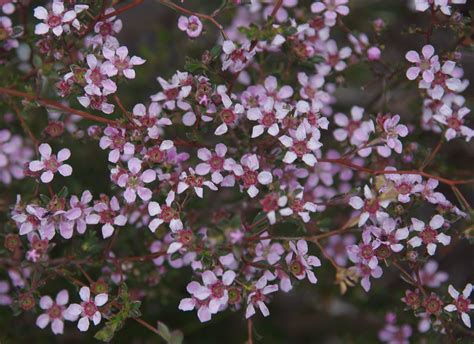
(192,25)
(428,235)
(461,303)
(50,163)
(88,309)
(55,312)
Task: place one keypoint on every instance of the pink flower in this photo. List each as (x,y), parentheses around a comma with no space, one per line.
(108,214)
(134,181)
(166,214)
(5,299)
(57,20)
(394,334)
(301,145)
(97,77)
(97,103)
(268,120)
(389,236)
(249,176)
(151,119)
(295,205)
(428,234)
(8,40)
(119,63)
(334,58)
(365,272)
(195,181)
(30,219)
(235,59)
(392,130)
(266,250)
(461,303)
(88,309)
(210,297)
(430,276)
(258,297)
(454,122)
(229,115)
(365,252)
(300,263)
(50,164)
(215,163)
(373,54)
(427,65)
(55,312)
(406,185)
(174,92)
(116,140)
(336,248)
(106,30)
(371,207)
(191,25)
(331,9)
(80,209)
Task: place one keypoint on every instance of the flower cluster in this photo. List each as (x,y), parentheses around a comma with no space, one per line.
(241,171)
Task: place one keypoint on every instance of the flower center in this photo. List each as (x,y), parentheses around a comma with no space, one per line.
(462,304)
(55,311)
(228,116)
(268,119)
(300,148)
(216,163)
(54,20)
(89,308)
(296,267)
(51,164)
(428,235)
(250,178)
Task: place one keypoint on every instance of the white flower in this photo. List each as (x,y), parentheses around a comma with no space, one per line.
(88,309)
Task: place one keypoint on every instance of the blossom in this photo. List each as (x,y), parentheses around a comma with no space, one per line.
(249,175)
(430,276)
(371,207)
(88,309)
(258,297)
(336,248)
(427,65)
(389,236)
(134,181)
(80,209)
(8,36)
(97,77)
(50,163)
(301,145)
(107,213)
(300,263)
(119,63)
(57,19)
(5,299)
(165,214)
(215,163)
(115,139)
(461,303)
(192,25)
(55,312)
(151,120)
(393,334)
(229,115)
(210,296)
(295,205)
(428,234)
(268,120)
(454,122)
(174,91)
(392,130)
(195,181)
(266,250)
(236,58)
(14,154)
(331,9)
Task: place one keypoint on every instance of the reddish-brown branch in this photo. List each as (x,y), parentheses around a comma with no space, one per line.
(147,325)
(56,105)
(353,166)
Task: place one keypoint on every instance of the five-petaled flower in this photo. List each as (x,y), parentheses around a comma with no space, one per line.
(50,163)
